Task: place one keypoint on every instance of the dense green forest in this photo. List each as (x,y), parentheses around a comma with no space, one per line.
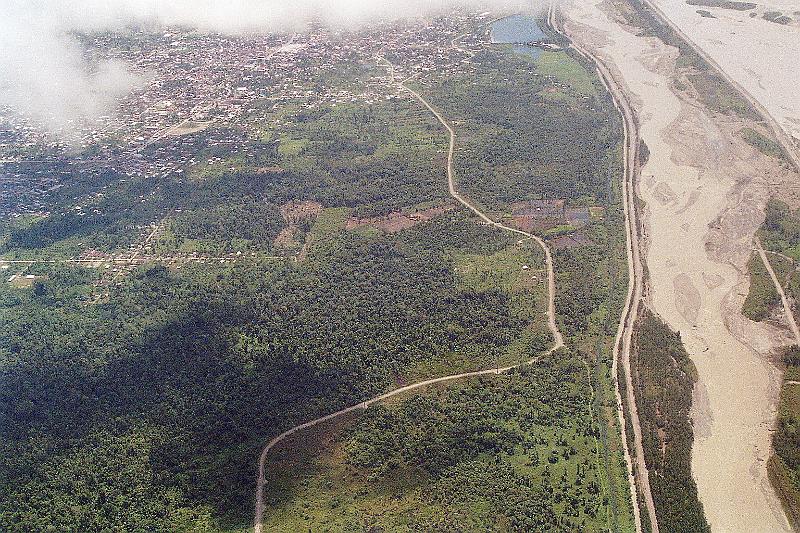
(762,298)
(465,456)
(528,129)
(781,229)
(784,464)
(780,233)
(663,382)
(146,410)
(188,365)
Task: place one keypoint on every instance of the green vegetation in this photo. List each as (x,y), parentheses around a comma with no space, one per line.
(763,144)
(784,465)
(663,382)
(777,17)
(147,408)
(780,233)
(780,236)
(173,362)
(512,453)
(719,96)
(527,129)
(762,296)
(723,4)
(373,158)
(327,227)
(466,456)
(781,229)
(567,70)
(711,89)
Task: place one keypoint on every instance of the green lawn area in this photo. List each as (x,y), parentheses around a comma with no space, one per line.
(567,70)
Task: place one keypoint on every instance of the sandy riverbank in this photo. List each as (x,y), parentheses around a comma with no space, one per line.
(760,55)
(704,191)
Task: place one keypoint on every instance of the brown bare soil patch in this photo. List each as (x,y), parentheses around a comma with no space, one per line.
(569,241)
(187,127)
(293,214)
(397,220)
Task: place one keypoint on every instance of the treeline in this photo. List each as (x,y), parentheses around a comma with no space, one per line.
(784,464)
(375,159)
(664,378)
(781,229)
(761,297)
(516,141)
(780,233)
(583,273)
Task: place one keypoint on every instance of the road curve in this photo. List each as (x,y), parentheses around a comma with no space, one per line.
(787,309)
(451,185)
(551,319)
(624,336)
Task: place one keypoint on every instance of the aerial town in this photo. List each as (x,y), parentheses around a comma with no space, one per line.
(194,81)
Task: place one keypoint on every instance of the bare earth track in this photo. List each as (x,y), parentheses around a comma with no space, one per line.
(557,336)
(625,329)
(787,308)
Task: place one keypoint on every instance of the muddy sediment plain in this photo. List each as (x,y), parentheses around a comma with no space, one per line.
(704,192)
(761,55)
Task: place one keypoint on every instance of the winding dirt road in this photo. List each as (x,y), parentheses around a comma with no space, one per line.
(551,320)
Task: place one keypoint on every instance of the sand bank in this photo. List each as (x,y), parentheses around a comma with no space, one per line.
(704,191)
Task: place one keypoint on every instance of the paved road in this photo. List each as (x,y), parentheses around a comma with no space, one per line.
(624,336)
(557,336)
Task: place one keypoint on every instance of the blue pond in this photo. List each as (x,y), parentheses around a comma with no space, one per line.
(518,30)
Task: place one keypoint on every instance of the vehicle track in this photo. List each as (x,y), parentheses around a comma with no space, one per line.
(787,308)
(624,336)
(551,320)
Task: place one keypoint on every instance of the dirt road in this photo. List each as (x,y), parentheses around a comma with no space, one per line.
(557,336)
(703,190)
(787,308)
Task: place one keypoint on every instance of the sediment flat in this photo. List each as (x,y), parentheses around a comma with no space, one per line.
(760,55)
(704,193)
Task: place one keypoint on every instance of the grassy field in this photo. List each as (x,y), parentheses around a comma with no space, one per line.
(762,297)
(453,458)
(327,227)
(566,70)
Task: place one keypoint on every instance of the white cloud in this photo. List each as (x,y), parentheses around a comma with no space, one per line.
(45,73)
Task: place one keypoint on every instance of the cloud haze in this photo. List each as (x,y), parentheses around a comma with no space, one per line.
(46,75)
